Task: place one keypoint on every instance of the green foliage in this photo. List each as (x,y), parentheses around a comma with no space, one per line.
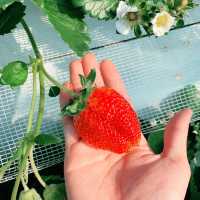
(69,25)
(5,3)
(39,2)
(10,17)
(194,187)
(14,74)
(55,191)
(180,23)
(155,141)
(101,9)
(177,3)
(47,139)
(53,179)
(197,158)
(30,194)
(54,91)
(189,97)
(137,30)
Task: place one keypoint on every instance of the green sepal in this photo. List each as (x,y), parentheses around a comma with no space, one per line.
(74,108)
(82,79)
(79,103)
(90,78)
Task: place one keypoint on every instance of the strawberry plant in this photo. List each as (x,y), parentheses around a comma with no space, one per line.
(67,17)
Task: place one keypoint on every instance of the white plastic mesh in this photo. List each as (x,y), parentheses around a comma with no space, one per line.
(161,76)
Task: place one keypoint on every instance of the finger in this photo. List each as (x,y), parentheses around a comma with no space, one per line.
(89,62)
(76,69)
(69,133)
(112,78)
(176,132)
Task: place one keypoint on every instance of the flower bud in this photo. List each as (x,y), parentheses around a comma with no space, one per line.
(29,195)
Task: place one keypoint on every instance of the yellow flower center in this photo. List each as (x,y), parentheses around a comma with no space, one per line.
(132,16)
(184,3)
(162,20)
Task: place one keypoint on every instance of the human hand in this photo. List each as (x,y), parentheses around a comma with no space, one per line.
(102,175)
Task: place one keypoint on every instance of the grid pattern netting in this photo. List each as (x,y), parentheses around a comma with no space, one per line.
(161,76)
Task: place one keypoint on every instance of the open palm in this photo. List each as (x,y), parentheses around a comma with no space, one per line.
(93,174)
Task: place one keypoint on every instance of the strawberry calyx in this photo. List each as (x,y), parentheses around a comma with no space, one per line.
(77,104)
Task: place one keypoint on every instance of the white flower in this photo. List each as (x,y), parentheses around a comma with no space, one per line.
(162,23)
(126,15)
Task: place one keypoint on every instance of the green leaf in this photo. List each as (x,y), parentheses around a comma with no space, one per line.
(194,187)
(54,91)
(137,30)
(177,3)
(39,3)
(53,179)
(15,73)
(55,191)
(30,194)
(2,82)
(101,9)
(197,159)
(70,27)
(155,141)
(46,139)
(5,3)
(83,80)
(10,17)
(91,77)
(180,23)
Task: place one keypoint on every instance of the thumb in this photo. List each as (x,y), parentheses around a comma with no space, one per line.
(176,132)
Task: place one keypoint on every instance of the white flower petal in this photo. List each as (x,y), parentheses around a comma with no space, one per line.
(159,31)
(162,23)
(123,26)
(122,9)
(132,9)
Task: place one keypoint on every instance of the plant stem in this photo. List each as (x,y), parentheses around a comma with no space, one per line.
(24,184)
(33,101)
(19,176)
(38,55)
(4,168)
(41,103)
(22,164)
(31,38)
(63,88)
(35,170)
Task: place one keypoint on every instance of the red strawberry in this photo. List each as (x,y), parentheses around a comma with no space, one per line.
(104,119)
